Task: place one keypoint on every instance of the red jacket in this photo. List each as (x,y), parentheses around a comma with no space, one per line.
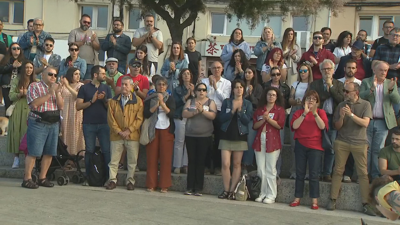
(321,56)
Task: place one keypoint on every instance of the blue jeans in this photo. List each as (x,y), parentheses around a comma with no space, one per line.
(88,75)
(376,132)
(329,157)
(41,138)
(101,132)
(248,156)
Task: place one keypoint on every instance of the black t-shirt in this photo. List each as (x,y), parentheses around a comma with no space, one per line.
(330,46)
(379,41)
(194,58)
(232,133)
(3,49)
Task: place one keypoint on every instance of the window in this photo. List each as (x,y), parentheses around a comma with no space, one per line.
(301,23)
(12,12)
(99,15)
(373,24)
(366,24)
(136,21)
(382,19)
(221,25)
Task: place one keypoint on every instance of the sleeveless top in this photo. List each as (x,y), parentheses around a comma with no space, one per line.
(199,125)
(385,190)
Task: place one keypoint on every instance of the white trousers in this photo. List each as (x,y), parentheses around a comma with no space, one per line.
(180,152)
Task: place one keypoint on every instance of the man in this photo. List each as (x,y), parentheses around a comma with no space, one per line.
(386,28)
(88,43)
(140,82)
(362,35)
(328,43)
(151,37)
(389,157)
(112,74)
(45,101)
(93,99)
(315,55)
(330,92)
(125,116)
(363,63)
(218,89)
(118,45)
(3,50)
(351,120)
(46,58)
(29,28)
(32,41)
(382,94)
(6,39)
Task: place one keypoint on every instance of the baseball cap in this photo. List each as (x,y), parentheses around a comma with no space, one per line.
(135,62)
(358,45)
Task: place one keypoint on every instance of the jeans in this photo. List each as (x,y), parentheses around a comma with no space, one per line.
(329,156)
(180,152)
(377,132)
(88,75)
(197,151)
(248,156)
(102,133)
(313,157)
(41,138)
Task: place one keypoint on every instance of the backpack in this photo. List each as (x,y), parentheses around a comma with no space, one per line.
(97,168)
(253,183)
(241,192)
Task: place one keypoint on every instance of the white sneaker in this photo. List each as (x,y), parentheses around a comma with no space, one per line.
(15,164)
(346,179)
(268,201)
(260,199)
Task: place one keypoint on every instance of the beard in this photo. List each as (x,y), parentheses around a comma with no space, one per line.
(117,30)
(349,74)
(111,71)
(100,79)
(395,145)
(84,27)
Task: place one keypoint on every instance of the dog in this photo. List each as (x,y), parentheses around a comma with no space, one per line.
(3,126)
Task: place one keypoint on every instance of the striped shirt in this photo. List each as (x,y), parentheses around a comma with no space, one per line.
(37,90)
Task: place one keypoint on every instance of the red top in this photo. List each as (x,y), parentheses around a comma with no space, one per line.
(143,81)
(309,134)
(321,56)
(360,74)
(273,137)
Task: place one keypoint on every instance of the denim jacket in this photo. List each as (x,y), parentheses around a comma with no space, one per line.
(244,116)
(79,64)
(172,77)
(261,56)
(179,96)
(25,42)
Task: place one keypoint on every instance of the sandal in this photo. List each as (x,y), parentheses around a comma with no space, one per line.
(120,166)
(29,184)
(45,183)
(150,189)
(224,195)
(164,190)
(231,196)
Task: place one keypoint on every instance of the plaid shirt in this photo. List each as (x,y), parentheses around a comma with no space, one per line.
(390,55)
(37,90)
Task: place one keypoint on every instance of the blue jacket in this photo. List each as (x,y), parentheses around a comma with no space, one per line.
(227,51)
(25,42)
(173,77)
(79,64)
(244,116)
(261,56)
(179,96)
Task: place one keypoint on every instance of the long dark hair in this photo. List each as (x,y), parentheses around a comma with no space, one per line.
(234,82)
(233,33)
(181,55)
(279,97)
(291,45)
(180,79)
(70,74)
(145,63)
(254,80)
(343,35)
(8,56)
(243,59)
(69,59)
(23,78)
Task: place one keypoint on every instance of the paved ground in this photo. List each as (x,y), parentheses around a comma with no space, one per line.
(74,204)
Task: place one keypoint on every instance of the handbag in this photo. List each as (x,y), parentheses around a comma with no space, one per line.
(144,132)
(10,110)
(241,192)
(49,116)
(326,141)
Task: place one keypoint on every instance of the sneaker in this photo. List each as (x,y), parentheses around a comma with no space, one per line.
(268,201)
(85,183)
(346,179)
(198,194)
(331,205)
(177,170)
(327,178)
(188,192)
(260,199)
(15,164)
(369,210)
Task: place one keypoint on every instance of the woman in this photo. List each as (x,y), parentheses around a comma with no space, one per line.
(73,60)
(263,47)
(342,46)
(291,54)
(307,124)
(253,95)
(159,108)
(274,59)
(384,194)
(141,55)
(194,59)
(173,65)
(236,113)
(297,93)
(10,67)
(181,94)
(18,120)
(237,65)
(236,41)
(200,113)
(268,120)
(71,125)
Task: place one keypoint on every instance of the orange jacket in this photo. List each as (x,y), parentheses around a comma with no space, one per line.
(131,117)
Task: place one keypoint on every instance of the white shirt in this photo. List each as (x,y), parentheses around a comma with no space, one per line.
(47,57)
(163,120)
(340,52)
(357,81)
(223,91)
(125,99)
(377,111)
(300,89)
(152,51)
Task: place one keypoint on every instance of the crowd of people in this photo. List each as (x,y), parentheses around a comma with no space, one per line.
(339,99)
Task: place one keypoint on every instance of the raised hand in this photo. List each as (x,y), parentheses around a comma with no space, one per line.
(306,109)
(313,60)
(113,40)
(101,95)
(347,110)
(94,98)
(43,61)
(199,106)
(109,81)
(392,83)
(16,64)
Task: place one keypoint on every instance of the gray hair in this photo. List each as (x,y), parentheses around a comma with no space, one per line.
(38,19)
(127,78)
(379,62)
(395,30)
(326,61)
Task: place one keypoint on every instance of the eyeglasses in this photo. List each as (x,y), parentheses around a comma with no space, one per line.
(347,91)
(303,71)
(74,49)
(52,74)
(202,89)
(311,99)
(15,48)
(388,27)
(275,74)
(161,84)
(327,69)
(49,45)
(135,66)
(39,25)
(86,22)
(317,37)
(396,35)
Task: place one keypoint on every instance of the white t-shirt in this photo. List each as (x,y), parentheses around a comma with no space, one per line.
(163,120)
(343,79)
(152,51)
(266,68)
(340,52)
(300,90)
(47,57)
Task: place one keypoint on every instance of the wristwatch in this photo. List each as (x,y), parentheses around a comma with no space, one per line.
(303,115)
(352,115)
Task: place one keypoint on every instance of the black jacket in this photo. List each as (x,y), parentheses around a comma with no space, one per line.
(6,72)
(342,64)
(285,90)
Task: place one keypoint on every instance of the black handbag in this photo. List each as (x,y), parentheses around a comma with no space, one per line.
(253,183)
(326,141)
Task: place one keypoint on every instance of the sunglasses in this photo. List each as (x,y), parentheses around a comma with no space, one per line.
(346,91)
(275,74)
(86,22)
(303,71)
(201,89)
(135,66)
(16,48)
(52,74)
(49,45)
(317,37)
(74,49)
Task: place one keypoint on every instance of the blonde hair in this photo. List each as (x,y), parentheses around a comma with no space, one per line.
(262,33)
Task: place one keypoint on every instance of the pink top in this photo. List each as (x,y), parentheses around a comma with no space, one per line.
(377,111)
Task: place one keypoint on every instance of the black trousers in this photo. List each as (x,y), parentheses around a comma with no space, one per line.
(197,151)
(213,158)
(7,101)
